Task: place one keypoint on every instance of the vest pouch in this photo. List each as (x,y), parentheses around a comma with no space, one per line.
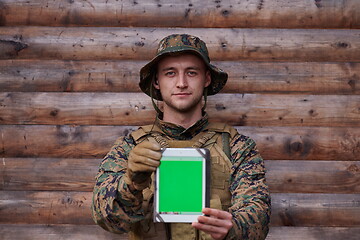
(220,182)
(215,202)
(182,231)
(219,177)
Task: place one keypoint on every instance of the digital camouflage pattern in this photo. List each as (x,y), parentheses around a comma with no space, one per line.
(180,41)
(117,207)
(177,43)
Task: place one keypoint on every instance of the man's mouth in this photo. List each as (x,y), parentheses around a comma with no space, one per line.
(182,94)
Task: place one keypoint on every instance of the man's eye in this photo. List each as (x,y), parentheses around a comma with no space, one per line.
(169,74)
(192,73)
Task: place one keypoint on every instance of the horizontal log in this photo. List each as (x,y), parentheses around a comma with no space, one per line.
(226,13)
(315,209)
(68,174)
(136,109)
(313,176)
(274,143)
(313,233)
(89,232)
(59,141)
(123,76)
(306,143)
(48,174)
(57,232)
(90,43)
(21,207)
(45,207)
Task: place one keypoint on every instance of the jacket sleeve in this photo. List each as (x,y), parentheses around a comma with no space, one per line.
(116,205)
(250,195)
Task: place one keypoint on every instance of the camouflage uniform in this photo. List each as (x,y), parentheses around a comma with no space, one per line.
(116,207)
(119,208)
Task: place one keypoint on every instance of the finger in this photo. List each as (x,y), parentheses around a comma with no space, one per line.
(216,213)
(142,168)
(151,144)
(212,230)
(143,164)
(146,152)
(154,141)
(215,222)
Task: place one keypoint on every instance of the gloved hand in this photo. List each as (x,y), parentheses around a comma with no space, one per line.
(143,160)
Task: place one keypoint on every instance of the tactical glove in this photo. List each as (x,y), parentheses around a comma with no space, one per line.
(143,160)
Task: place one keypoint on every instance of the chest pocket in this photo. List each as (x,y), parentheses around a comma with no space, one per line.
(220,174)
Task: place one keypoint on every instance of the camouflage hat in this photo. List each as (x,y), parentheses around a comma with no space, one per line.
(177,43)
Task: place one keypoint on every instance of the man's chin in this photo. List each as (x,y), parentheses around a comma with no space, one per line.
(183,108)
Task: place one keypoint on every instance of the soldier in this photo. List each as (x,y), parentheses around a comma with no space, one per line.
(180,75)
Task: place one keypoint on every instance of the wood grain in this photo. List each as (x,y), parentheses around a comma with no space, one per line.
(123,76)
(226,13)
(57,232)
(21,207)
(48,174)
(75,43)
(73,174)
(274,143)
(69,73)
(284,176)
(313,233)
(315,210)
(89,232)
(43,207)
(61,140)
(306,143)
(136,109)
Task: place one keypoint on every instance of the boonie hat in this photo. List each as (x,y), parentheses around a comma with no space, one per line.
(177,43)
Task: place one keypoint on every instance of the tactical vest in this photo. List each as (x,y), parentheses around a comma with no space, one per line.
(216,138)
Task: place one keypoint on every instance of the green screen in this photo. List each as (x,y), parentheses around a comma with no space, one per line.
(180,183)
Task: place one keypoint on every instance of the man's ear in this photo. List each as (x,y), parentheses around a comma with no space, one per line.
(155,82)
(207,78)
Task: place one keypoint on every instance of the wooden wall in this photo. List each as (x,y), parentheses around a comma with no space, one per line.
(68,89)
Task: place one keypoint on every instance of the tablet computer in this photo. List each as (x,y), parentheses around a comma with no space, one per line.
(182,185)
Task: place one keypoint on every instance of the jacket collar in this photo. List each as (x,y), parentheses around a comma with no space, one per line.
(180,133)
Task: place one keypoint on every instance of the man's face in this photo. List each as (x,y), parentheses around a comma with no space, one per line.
(181,81)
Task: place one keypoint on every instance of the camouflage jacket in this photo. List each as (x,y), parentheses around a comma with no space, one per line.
(116,207)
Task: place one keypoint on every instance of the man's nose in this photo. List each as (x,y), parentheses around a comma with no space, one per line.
(182,81)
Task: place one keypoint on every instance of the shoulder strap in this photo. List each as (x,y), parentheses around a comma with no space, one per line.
(227,133)
(203,138)
(143,131)
(222,127)
(217,127)
(150,131)
(226,144)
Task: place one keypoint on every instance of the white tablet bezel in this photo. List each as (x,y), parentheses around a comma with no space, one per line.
(184,217)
